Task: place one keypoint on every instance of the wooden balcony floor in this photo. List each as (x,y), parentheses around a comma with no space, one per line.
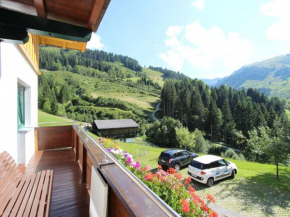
(69,197)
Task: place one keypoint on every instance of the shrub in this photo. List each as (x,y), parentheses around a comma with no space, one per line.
(216,149)
(230,153)
(201,145)
(242,157)
(184,138)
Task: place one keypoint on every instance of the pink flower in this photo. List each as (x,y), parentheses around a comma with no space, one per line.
(128,160)
(137,165)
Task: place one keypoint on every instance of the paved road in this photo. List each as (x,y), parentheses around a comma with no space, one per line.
(153,113)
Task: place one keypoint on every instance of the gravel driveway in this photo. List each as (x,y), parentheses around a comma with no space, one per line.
(246,197)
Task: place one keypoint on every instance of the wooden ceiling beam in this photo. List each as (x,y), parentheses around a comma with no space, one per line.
(40,9)
(101,15)
(95,12)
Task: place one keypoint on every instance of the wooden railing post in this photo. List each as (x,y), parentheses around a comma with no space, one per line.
(77,145)
(84,165)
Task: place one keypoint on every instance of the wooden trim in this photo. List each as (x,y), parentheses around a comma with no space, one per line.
(84,165)
(63,43)
(39,6)
(96,9)
(77,147)
(28,58)
(101,15)
(36,140)
(84,47)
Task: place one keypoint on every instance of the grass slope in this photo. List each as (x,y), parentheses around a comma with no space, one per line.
(44,119)
(154,75)
(276,85)
(109,88)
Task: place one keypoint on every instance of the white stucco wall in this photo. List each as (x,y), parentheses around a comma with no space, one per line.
(15,69)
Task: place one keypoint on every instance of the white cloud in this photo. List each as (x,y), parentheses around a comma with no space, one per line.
(172,42)
(173,59)
(95,42)
(206,48)
(198,4)
(280,30)
(173,31)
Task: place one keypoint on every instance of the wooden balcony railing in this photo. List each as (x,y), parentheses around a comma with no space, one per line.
(127,195)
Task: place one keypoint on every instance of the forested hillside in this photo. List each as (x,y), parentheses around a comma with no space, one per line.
(70,95)
(271,77)
(98,85)
(95,63)
(168,73)
(224,114)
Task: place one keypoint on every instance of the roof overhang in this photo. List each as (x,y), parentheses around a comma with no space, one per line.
(72,20)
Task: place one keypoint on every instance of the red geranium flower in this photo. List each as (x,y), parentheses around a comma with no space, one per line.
(187,181)
(171,170)
(185,206)
(210,197)
(178,176)
(213,214)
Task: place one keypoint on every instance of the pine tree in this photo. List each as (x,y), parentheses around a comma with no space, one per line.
(196,119)
(214,121)
(228,122)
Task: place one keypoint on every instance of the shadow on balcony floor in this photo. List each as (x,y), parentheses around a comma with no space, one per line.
(69,197)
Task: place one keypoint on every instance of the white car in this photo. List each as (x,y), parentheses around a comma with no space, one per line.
(209,168)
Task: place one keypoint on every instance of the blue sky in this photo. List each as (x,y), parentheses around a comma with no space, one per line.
(200,38)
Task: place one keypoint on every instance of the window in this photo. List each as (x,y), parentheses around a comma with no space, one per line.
(21,106)
(199,165)
(214,164)
(178,154)
(185,153)
(222,163)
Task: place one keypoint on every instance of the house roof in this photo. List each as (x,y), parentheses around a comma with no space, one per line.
(115,124)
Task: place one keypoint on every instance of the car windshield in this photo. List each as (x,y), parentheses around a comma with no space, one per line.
(199,165)
(165,156)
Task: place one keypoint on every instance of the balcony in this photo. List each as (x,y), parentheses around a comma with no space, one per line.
(70,152)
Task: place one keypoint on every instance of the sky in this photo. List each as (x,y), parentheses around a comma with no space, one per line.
(199,38)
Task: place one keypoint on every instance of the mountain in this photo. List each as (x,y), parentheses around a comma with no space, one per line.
(211,82)
(271,76)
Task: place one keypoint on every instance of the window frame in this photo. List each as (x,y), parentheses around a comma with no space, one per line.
(20,106)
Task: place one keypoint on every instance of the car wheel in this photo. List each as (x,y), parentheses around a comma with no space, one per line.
(210,182)
(233,174)
(177,167)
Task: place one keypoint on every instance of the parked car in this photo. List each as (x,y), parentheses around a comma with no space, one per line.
(176,158)
(209,168)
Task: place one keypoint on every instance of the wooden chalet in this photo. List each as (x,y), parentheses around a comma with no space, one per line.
(58,170)
(117,129)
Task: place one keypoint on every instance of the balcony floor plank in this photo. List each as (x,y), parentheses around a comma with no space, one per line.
(69,197)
